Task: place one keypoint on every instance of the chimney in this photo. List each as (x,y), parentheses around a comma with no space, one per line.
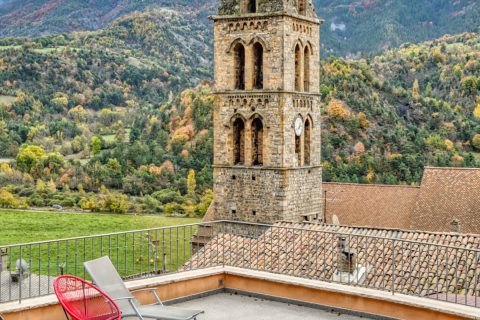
(455,225)
(347,260)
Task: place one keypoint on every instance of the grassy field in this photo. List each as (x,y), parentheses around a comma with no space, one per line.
(477,156)
(6,99)
(42,50)
(132,253)
(28,226)
(9,47)
(110,138)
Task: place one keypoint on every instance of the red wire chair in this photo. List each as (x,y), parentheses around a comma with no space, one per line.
(81,300)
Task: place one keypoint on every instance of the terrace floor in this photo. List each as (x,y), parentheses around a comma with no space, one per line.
(227,306)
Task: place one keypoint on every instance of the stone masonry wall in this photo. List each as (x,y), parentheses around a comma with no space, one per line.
(267,195)
(249,194)
(303,194)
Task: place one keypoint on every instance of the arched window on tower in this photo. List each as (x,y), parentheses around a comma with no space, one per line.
(298,150)
(301,6)
(238,141)
(306,69)
(297,68)
(251,6)
(239,65)
(258,66)
(307,142)
(257,142)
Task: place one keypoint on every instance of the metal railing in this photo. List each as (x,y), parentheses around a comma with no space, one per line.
(135,254)
(438,267)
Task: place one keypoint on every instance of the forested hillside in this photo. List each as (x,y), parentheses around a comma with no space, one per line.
(390,116)
(351,27)
(121,119)
(89,112)
(370,26)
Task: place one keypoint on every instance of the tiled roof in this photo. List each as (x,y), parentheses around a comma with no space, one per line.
(383,206)
(447,194)
(415,263)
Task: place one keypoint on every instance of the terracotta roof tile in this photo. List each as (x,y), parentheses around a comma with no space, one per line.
(445,264)
(447,194)
(370,205)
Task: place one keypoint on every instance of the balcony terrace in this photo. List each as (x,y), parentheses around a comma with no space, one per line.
(286,269)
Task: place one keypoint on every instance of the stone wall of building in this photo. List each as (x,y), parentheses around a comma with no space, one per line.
(303,195)
(267,195)
(249,194)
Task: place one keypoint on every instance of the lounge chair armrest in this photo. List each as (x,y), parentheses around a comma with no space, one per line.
(123,298)
(130,300)
(145,289)
(153,291)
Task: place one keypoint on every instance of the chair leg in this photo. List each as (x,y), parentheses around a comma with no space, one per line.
(65,311)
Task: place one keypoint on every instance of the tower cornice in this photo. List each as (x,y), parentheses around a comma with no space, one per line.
(264,92)
(252,16)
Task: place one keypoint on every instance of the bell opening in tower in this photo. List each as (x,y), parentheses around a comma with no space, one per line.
(258,66)
(252,6)
(238,141)
(298,150)
(307,142)
(239,65)
(257,142)
(306,69)
(301,6)
(297,68)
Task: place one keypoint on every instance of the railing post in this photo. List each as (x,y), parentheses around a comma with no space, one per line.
(394,258)
(20,277)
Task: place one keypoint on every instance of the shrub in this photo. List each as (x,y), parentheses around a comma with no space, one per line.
(9,200)
(167,196)
(476,141)
(151,205)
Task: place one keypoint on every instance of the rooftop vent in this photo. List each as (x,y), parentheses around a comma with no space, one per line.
(348,270)
(455,225)
(347,259)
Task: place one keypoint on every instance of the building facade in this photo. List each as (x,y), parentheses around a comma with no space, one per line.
(267,164)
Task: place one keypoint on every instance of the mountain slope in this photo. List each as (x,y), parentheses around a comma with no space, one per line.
(372,25)
(157,51)
(352,26)
(40,17)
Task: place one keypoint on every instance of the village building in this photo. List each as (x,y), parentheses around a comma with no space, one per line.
(447,200)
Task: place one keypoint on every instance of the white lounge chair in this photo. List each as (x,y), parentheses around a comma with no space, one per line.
(106,277)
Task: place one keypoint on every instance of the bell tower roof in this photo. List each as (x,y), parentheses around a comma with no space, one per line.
(241,7)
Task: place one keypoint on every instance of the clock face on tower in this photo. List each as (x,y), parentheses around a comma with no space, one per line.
(298,126)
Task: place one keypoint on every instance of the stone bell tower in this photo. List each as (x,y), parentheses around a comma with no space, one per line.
(267,111)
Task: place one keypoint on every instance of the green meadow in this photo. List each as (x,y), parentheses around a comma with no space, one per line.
(164,248)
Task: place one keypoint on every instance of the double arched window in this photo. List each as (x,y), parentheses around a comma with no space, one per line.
(254,80)
(302,67)
(253,150)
